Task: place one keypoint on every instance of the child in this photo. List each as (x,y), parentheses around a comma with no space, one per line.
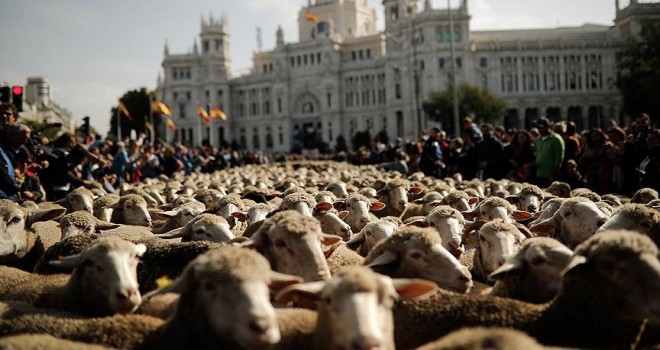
(27,179)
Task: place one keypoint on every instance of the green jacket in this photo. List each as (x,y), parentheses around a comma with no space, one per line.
(549,154)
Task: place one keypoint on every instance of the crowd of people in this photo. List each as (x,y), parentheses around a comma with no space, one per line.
(619,160)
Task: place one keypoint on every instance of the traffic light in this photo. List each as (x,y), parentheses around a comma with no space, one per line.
(5,94)
(85,128)
(17,97)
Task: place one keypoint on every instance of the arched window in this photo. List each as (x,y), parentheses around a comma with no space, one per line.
(308,108)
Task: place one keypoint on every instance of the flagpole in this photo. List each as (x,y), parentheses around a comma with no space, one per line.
(199,127)
(151,121)
(208,110)
(118,123)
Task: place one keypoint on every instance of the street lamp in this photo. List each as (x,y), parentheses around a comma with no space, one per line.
(412,6)
(457,122)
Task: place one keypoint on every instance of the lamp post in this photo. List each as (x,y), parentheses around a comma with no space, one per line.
(412,5)
(457,122)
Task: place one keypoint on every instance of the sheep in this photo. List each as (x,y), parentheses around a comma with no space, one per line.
(224,303)
(254,214)
(292,244)
(529,198)
(325,197)
(608,290)
(131,209)
(644,195)
(635,217)
(303,203)
(20,246)
(449,224)
(338,188)
(590,195)
(103,281)
(354,308)
(559,189)
(355,210)
(422,206)
(339,255)
(209,197)
(179,217)
(395,197)
(205,227)
(533,275)
(497,208)
(151,202)
(179,201)
(576,220)
(227,205)
(161,259)
(330,222)
(371,234)
(484,338)
(82,222)
(496,242)
(102,207)
(43,342)
(78,199)
(459,200)
(415,252)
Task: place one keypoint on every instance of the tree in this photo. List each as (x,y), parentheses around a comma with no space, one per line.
(639,71)
(471,101)
(362,139)
(138,104)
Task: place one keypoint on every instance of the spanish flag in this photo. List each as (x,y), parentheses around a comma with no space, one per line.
(148,126)
(201,112)
(124,110)
(311,16)
(159,107)
(217,113)
(170,124)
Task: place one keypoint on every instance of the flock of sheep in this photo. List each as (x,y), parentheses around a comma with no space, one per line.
(330,256)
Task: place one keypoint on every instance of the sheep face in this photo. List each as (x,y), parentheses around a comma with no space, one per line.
(498,245)
(355,307)
(103,214)
(107,273)
(357,211)
(576,222)
(185,214)
(377,231)
(541,260)
(81,202)
(530,202)
(491,212)
(134,212)
(636,217)
(333,225)
(396,197)
(81,222)
(14,223)
(338,189)
(450,230)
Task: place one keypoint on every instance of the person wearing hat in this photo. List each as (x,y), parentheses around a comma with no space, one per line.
(549,153)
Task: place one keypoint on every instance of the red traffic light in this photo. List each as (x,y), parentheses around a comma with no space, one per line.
(17,90)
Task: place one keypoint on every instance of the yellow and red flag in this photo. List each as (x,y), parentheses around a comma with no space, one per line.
(201,112)
(217,113)
(124,110)
(159,107)
(311,16)
(170,124)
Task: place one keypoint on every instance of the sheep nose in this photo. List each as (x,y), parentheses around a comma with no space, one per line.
(465,275)
(128,297)
(501,261)
(364,220)
(366,343)
(402,203)
(346,229)
(601,222)
(259,326)
(532,208)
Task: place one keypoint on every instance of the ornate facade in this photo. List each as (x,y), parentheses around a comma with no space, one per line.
(345,76)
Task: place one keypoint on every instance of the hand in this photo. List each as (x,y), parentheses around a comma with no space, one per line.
(27,195)
(440,164)
(34,167)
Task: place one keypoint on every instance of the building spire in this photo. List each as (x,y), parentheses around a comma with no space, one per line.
(428,6)
(195,49)
(617,6)
(280,36)
(166,49)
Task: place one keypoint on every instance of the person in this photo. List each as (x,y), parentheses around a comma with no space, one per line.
(649,168)
(8,188)
(490,155)
(549,153)
(593,160)
(430,162)
(61,176)
(120,162)
(27,178)
(8,115)
(471,129)
(521,155)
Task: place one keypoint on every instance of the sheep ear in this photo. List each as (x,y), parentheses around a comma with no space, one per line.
(381,193)
(69,262)
(359,237)
(168,214)
(63,201)
(176,233)
(545,227)
(576,261)
(419,201)
(240,215)
(418,223)
(301,292)
(43,215)
(411,289)
(114,206)
(377,206)
(323,206)
(339,205)
(520,215)
(140,249)
(415,190)
(343,214)
(104,226)
(471,237)
(434,204)
(474,200)
(469,215)
(508,267)
(238,241)
(281,280)
(330,239)
(383,259)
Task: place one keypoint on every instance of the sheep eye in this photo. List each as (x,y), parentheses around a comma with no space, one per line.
(646,224)
(328,300)
(432,224)
(415,255)
(15,220)
(199,232)
(368,233)
(567,214)
(537,261)
(280,243)
(482,238)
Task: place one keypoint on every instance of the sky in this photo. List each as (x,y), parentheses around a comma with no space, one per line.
(94,51)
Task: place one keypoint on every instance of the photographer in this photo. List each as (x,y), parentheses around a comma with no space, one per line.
(12,137)
(8,114)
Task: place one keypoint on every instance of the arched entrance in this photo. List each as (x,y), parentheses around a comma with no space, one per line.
(307,126)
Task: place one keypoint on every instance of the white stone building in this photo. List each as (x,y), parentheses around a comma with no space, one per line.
(345,76)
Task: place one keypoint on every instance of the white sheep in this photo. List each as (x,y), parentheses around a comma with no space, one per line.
(103,281)
(371,234)
(130,210)
(82,222)
(356,210)
(635,217)
(205,227)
